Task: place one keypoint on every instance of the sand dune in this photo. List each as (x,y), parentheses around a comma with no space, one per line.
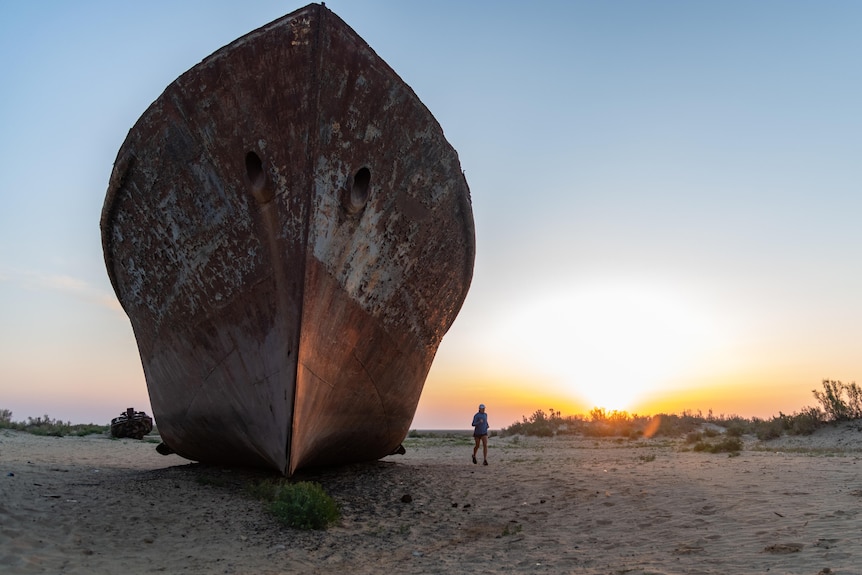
(559,505)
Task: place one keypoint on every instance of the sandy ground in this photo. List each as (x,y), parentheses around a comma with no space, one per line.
(559,505)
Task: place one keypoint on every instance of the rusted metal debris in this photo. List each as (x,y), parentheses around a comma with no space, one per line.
(131,423)
(291,236)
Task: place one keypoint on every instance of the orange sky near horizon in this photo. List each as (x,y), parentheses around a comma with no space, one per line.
(631,344)
(450,405)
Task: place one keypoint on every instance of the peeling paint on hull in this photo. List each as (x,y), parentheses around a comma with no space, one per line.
(291,236)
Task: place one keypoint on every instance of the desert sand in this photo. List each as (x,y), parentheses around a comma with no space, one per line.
(95,505)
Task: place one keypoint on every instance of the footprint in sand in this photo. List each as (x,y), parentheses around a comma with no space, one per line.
(780,548)
(688,549)
(706,510)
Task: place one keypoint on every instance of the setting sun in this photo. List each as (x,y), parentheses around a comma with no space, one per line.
(612,345)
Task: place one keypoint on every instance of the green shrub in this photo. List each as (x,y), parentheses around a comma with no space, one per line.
(806,422)
(303,505)
(263,490)
(84,429)
(599,429)
(840,401)
(675,425)
(726,445)
(694,437)
(729,445)
(766,430)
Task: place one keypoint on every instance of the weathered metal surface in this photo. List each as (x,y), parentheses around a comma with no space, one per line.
(291,236)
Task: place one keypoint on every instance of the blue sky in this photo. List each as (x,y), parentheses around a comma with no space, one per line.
(666,195)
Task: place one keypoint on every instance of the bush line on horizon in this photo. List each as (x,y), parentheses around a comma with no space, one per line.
(51,427)
(838,402)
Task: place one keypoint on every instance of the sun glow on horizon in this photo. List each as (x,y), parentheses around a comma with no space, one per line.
(614,345)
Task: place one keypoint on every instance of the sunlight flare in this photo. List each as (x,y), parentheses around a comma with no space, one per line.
(612,345)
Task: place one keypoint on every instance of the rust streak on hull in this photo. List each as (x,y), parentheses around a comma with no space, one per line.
(291,236)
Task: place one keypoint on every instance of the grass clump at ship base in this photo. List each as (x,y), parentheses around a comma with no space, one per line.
(302,505)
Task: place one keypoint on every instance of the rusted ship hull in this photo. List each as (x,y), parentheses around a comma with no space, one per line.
(291,236)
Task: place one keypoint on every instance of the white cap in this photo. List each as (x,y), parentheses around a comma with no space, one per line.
(481,406)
